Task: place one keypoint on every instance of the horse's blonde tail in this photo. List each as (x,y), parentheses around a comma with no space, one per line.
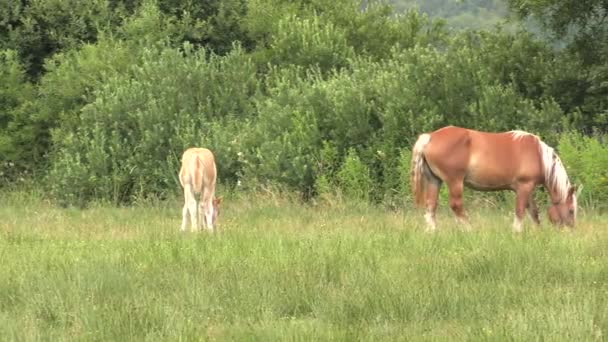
(418,177)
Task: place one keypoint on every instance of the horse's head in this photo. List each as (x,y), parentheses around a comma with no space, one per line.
(564,212)
(216,209)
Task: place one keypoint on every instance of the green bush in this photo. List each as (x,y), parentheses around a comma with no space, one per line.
(354,179)
(130,139)
(586,160)
(39,29)
(404,172)
(378,108)
(319,87)
(309,42)
(72,79)
(316,32)
(17,153)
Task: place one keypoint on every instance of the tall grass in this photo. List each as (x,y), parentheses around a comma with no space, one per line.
(282,270)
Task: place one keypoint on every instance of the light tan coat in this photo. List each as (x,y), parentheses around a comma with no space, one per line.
(198,175)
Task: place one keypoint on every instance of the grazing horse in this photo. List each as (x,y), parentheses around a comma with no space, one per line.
(198,175)
(515,160)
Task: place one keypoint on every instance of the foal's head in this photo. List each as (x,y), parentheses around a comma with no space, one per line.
(564,212)
(216,209)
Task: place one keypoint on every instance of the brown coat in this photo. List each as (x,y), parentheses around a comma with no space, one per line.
(514,160)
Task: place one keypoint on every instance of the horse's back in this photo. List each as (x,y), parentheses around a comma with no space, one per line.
(484,159)
(198,168)
(448,151)
(198,152)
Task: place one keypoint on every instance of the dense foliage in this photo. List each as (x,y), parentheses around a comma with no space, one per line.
(459,14)
(317,96)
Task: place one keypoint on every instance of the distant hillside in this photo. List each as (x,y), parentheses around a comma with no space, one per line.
(459,13)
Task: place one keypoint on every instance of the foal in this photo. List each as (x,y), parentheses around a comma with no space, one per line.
(198,176)
(515,160)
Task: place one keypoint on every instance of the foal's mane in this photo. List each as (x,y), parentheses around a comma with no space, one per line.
(555,172)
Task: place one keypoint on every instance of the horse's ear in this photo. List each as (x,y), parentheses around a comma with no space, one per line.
(572,190)
(218,200)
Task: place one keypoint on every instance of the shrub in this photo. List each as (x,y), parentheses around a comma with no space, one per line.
(404,168)
(131,137)
(354,178)
(16,94)
(586,159)
(309,42)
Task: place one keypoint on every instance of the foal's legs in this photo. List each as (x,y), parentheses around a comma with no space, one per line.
(455,189)
(184,216)
(201,214)
(207,208)
(189,207)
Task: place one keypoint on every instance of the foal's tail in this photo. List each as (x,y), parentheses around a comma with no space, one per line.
(418,177)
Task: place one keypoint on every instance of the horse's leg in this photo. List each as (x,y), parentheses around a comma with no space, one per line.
(202,222)
(185,211)
(533,209)
(207,208)
(191,204)
(432,194)
(455,189)
(522,200)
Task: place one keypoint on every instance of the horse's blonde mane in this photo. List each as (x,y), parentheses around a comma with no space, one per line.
(555,172)
(520,134)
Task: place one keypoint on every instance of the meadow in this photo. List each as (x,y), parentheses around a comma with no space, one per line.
(281,270)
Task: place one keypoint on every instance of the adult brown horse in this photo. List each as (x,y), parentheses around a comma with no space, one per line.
(514,160)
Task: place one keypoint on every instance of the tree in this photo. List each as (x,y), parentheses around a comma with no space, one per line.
(582,27)
(15,93)
(39,28)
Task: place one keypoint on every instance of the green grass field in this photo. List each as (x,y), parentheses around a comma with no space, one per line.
(284,271)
